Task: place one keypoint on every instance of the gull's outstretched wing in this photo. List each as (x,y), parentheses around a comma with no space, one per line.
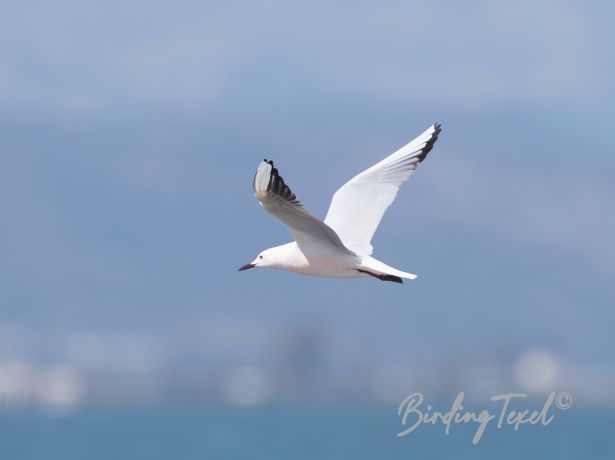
(358,207)
(277,199)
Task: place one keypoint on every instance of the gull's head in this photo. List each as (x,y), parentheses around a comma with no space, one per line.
(264,259)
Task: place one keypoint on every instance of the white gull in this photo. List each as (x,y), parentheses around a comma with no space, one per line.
(339,247)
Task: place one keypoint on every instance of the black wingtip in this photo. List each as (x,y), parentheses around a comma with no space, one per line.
(430,143)
(277,186)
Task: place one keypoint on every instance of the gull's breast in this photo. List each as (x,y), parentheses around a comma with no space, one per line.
(333,265)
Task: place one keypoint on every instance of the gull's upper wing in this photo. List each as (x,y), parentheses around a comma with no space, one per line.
(358,207)
(277,199)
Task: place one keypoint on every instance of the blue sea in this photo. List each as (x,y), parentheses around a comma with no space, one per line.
(320,431)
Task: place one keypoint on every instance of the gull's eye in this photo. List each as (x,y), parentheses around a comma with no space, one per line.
(260,257)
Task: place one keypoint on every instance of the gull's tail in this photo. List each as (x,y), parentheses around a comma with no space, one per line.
(382,271)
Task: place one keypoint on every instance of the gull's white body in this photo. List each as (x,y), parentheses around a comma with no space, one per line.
(323,263)
(339,247)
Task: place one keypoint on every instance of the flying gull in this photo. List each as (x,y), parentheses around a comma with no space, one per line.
(339,247)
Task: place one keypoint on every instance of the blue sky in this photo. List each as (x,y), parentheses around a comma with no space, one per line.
(129,135)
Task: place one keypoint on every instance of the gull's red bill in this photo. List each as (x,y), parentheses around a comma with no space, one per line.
(246,266)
